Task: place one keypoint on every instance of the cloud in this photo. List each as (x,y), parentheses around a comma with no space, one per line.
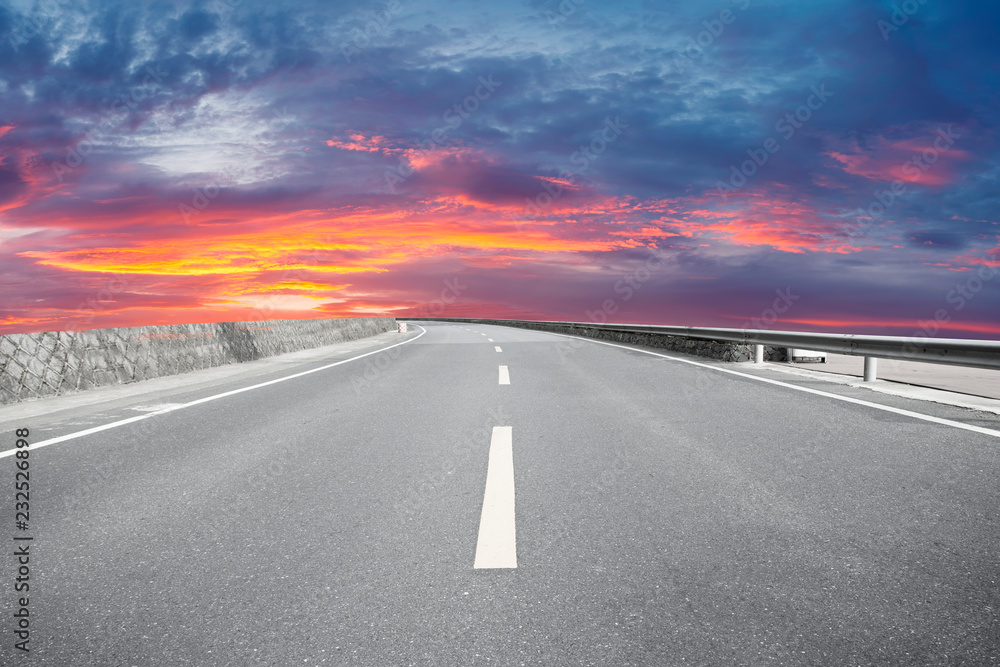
(921,156)
(228,158)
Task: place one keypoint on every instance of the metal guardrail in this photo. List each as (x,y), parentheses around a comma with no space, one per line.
(948,351)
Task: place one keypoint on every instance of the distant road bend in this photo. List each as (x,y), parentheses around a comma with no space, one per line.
(469,494)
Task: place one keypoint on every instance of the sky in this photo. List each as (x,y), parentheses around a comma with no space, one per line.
(829,165)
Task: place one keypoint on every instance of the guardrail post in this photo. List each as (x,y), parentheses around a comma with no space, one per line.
(758,354)
(871,369)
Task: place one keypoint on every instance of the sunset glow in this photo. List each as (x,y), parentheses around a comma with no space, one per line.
(225,161)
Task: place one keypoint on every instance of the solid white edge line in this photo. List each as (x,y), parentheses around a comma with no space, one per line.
(817,392)
(105,427)
(496,545)
(504,375)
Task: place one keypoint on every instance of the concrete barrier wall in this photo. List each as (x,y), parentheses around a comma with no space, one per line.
(33,365)
(703,348)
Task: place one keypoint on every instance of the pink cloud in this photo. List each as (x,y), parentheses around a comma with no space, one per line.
(927,156)
(764,218)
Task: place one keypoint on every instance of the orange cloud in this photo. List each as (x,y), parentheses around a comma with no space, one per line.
(231,254)
(240,261)
(309,289)
(358,142)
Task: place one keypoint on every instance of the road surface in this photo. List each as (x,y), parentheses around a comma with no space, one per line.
(479,495)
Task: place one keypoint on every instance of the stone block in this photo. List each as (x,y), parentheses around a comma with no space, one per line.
(27,345)
(36,367)
(52,380)
(10,389)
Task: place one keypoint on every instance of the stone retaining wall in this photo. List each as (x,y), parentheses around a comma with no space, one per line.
(33,365)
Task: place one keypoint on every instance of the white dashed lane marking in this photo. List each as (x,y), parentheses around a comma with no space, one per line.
(504,375)
(497,543)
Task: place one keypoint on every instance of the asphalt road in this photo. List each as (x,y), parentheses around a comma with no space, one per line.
(666,514)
